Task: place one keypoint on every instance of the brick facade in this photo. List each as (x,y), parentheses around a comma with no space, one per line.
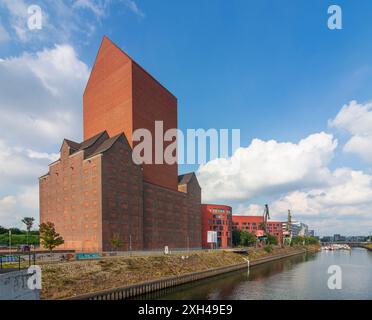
(95,192)
(217,218)
(121,97)
(253,224)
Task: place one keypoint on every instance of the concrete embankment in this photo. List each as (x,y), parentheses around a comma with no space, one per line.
(160,284)
(72,279)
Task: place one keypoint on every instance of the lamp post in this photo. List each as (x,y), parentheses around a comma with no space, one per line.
(10,241)
(130,244)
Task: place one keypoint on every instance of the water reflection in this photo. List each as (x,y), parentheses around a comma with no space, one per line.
(300,277)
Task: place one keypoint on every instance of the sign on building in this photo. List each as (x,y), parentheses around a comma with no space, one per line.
(212,237)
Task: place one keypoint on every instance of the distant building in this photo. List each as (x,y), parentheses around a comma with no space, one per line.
(296,227)
(357,239)
(217,218)
(326,239)
(253,224)
(339,238)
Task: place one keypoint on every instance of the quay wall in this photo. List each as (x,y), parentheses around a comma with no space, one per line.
(169,282)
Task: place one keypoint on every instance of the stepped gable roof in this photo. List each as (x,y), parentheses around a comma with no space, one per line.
(91,141)
(185,178)
(103,146)
(72,144)
(107,144)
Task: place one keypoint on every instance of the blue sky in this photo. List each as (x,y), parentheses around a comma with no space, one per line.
(270,68)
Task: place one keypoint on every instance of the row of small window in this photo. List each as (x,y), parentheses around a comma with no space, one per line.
(220,211)
(220,234)
(223,222)
(247,223)
(215,228)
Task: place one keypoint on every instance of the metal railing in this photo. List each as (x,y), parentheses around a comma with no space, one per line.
(17,261)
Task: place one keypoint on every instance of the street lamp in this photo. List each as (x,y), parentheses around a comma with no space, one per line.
(10,241)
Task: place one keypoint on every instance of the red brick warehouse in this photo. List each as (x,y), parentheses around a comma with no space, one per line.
(95,191)
(217,218)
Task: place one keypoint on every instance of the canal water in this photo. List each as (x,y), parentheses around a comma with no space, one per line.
(300,277)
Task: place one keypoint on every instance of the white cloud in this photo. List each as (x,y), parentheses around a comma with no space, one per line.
(42,155)
(348,193)
(29,197)
(18,16)
(41,103)
(4,35)
(267,168)
(99,8)
(7,202)
(249,210)
(62,20)
(356,119)
(132,5)
(49,108)
(343,204)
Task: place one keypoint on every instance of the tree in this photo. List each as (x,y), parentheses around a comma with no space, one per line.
(3,230)
(116,242)
(261,226)
(236,237)
(49,237)
(271,239)
(246,238)
(28,221)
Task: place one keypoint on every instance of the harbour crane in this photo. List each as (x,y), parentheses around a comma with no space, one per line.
(287,234)
(266,216)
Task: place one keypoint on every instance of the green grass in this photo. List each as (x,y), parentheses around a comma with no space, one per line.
(18,239)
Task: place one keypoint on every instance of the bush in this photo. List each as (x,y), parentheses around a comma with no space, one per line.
(272,239)
(268,248)
(247,239)
(308,240)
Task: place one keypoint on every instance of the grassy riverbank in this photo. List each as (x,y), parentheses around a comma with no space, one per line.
(64,280)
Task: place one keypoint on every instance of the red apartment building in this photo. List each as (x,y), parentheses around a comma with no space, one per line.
(252,224)
(95,192)
(217,218)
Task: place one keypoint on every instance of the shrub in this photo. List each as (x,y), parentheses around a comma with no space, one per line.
(268,248)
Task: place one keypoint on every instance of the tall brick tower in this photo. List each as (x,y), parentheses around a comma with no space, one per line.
(121,97)
(95,192)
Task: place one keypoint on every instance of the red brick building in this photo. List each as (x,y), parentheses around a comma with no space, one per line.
(253,224)
(217,218)
(95,192)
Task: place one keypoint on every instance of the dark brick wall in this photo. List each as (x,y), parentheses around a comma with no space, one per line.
(171,218)
(152,102)
(121,97)
(70,197)
(122,200)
